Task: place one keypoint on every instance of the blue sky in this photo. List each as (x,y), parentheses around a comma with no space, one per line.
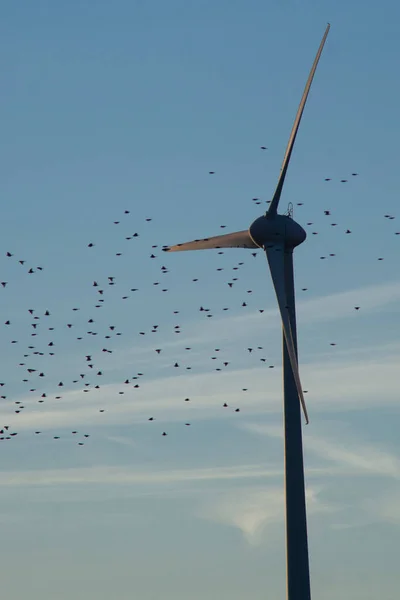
(127,106)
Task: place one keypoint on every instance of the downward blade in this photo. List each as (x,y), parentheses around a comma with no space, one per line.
(275,200)
(276,260)
(239,239)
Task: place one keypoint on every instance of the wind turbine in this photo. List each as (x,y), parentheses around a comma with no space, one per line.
(278,235)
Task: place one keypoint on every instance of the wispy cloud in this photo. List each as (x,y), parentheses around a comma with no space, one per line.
(250,511)
(336,385)
(364,458)
(341,305)
(119,439)
(253,510)
(357,456)
(105,475)
(332,307)
(231,329)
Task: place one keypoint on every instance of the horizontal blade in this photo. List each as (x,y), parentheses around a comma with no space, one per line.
(273,207)
(239,239)
(276,260)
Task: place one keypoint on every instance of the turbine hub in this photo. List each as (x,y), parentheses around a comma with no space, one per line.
(277,230)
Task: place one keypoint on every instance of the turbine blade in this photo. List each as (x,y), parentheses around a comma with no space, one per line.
(275,200)
(276,260)
(239,239)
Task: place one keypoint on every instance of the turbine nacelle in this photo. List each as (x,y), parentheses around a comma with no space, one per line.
(279,229)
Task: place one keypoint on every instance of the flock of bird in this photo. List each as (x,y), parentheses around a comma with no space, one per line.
(38,345)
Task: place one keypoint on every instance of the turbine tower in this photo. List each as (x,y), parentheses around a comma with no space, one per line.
(278,235)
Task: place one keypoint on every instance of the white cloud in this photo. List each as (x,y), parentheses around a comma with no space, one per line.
(356,456)
(321,309)
(104,475)
(341,305)
(250,511)
(340,384)
(253,510)
(361,457)
(345,380)
(233,329)
(119,439)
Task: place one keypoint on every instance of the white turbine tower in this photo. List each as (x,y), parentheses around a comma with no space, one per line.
(278,235)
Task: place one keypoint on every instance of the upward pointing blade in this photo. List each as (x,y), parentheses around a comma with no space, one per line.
(275,200)
(276,261)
